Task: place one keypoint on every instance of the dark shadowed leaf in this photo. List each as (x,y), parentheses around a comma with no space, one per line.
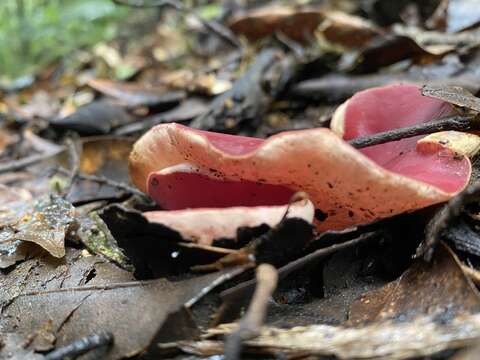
(95,118)
(439,290)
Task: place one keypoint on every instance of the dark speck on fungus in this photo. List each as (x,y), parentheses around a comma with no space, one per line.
(320,215)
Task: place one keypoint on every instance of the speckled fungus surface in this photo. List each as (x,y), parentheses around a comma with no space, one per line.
(184,168)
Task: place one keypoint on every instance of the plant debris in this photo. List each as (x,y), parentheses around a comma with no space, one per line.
(240,180)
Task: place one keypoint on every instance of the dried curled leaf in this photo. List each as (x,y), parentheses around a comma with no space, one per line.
(43,222)
(453,94)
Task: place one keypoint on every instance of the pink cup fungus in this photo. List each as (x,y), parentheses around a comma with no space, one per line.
(184,168)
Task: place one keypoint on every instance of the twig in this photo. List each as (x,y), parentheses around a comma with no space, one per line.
(213,26)
(219,280)
(215,249)
(284,271)
(459,123)
(249,326)
(105,181)
(74,160)
(81,346)
(15,165)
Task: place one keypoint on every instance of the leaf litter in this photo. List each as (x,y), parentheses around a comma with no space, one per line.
(235,233)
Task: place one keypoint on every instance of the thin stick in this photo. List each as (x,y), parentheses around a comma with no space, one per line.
(249,326)
(74,160)
(458,123)
(81,346)
(15,165)
(215,249)
(105,181)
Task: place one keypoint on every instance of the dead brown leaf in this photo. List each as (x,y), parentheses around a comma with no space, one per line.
(296,23)
(439,290)
(453,94)
(79,295)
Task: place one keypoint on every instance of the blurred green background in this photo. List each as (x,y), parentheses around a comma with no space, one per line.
(34,33)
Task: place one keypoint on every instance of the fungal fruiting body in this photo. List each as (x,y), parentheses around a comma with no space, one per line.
(183,168)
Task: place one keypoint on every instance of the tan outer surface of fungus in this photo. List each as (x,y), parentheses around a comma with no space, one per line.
(204,225)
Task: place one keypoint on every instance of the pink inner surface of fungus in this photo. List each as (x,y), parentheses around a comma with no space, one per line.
(385,108)
(182,190)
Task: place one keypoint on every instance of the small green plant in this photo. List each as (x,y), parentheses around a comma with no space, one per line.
(34,33)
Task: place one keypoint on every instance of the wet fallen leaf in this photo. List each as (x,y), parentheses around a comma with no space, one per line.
(81,295)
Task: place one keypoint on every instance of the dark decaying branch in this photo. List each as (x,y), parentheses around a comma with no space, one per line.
(443,218)
(458,123)
(246,101)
